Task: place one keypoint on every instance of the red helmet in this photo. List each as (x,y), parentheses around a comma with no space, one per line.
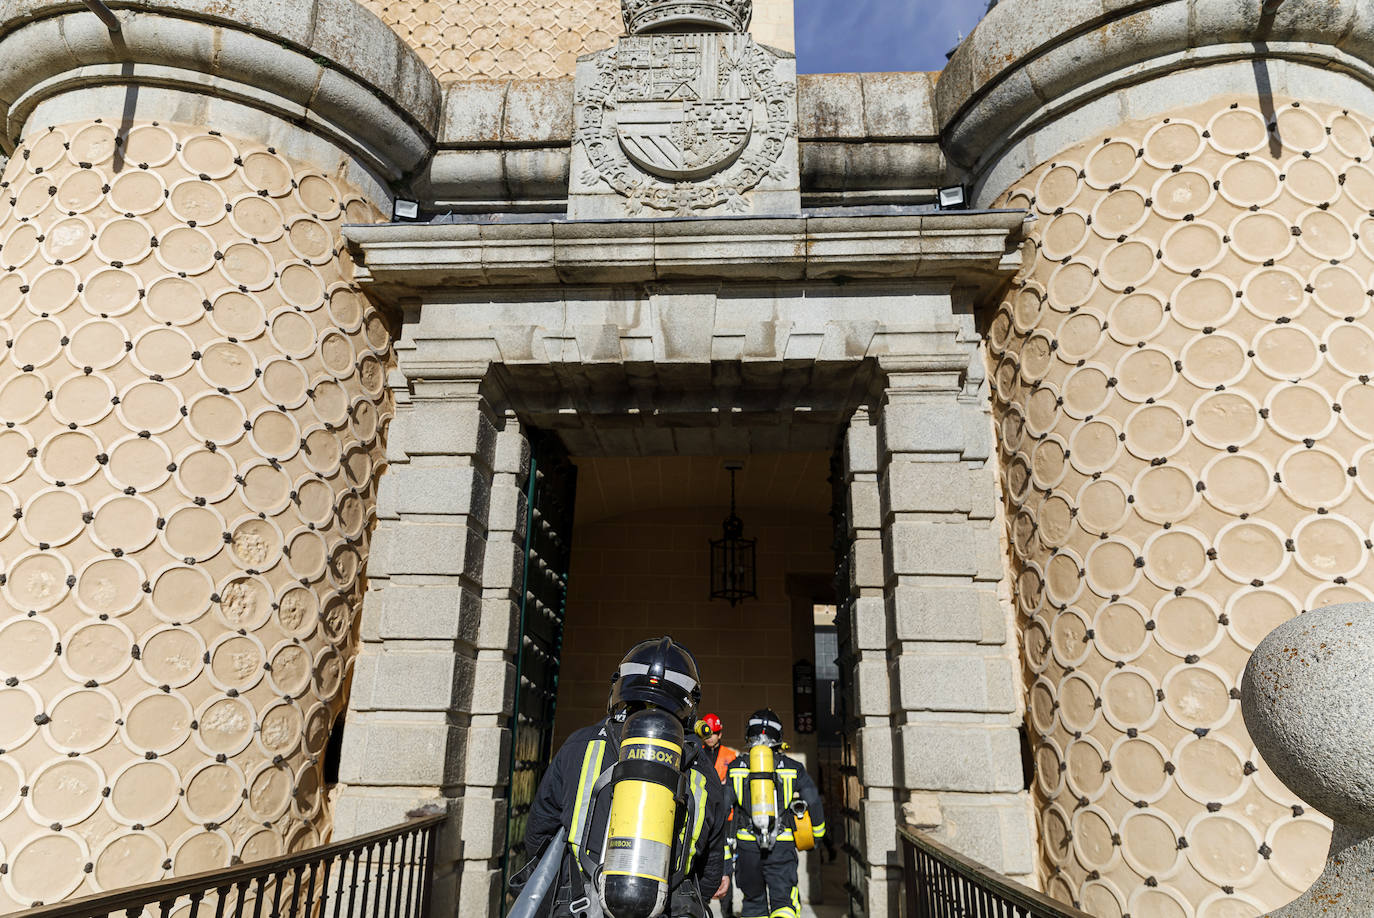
(713,722)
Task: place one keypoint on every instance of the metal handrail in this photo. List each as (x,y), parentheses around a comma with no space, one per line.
(942,883)
(418,839)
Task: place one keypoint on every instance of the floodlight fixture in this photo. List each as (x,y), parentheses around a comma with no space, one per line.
(953,197)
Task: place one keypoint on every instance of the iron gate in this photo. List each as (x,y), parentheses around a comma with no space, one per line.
(550,493)
(850,815)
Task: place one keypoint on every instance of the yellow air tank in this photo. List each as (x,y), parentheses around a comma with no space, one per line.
(763,794)
(639,840)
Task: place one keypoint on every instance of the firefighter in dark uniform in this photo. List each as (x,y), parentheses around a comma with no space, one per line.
(644,810)
(763,781)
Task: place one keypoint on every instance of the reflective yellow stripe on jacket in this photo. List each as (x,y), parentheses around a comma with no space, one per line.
(737,778)
(698,785)
(591,770)
(789,777)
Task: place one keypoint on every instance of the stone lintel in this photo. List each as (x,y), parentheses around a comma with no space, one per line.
(976,247)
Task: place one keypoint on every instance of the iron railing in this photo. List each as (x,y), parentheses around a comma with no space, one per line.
(387,874)
(940,883)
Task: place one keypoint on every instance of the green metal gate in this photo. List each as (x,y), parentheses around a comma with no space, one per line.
(849,823)
(550,493)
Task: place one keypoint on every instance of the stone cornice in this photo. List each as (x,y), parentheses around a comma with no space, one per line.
(1030,62)
(397,261)
(328,64)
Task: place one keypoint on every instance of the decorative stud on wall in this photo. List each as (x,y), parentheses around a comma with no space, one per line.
(193,403)
(1181,376)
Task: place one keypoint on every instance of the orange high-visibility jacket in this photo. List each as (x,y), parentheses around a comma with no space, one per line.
(724,756)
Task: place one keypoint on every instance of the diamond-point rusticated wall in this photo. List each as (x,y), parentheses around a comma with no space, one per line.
(528,39)
(502,38)
(1182,390)
(193,398)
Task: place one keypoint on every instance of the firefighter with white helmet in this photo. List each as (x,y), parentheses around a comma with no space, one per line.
(641,810)
(777,809)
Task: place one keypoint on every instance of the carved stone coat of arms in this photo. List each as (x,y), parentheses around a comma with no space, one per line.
(681,124)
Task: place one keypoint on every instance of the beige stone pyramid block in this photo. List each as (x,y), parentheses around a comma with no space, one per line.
(193,408)
(1181,377)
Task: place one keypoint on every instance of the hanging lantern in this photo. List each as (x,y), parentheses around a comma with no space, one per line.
(733,575)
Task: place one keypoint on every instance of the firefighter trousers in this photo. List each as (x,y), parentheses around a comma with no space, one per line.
(767,880)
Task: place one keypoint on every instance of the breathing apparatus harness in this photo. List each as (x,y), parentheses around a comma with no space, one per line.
(763,734)
(656,799)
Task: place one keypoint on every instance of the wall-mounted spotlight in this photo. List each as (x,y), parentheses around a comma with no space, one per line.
(404,210)
(953,198)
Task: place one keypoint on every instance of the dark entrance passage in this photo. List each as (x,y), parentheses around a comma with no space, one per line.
(641,568)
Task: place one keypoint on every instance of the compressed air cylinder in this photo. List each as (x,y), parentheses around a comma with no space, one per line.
(763,796)
(639,843)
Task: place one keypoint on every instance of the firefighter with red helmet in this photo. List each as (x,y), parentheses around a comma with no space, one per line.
(775,807)
(720,756)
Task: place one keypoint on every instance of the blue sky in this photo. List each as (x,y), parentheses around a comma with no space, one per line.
(839,36)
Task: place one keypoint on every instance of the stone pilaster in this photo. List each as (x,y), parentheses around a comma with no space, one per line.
(954,695)
(872,832)
(435,680)
(496,647)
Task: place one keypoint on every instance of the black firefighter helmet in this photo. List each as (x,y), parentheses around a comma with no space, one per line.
(661,673)
(764,726)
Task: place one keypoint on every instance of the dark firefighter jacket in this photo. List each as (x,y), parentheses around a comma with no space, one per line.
(576,767)
(792,781)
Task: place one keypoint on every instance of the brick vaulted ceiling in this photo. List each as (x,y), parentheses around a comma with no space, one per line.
(611,487)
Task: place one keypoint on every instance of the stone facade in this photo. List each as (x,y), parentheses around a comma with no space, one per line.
(1094,435)
(195,402)
(1183,430)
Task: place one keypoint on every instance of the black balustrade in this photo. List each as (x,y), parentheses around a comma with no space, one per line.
(387,874)
(940,883)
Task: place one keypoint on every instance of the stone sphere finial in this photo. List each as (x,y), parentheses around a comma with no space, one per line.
(1306,701)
